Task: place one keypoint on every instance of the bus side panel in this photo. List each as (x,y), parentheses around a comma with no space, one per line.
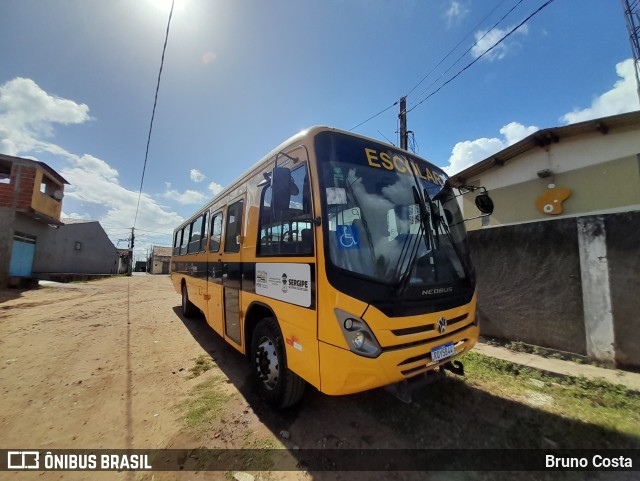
(214,311)
(298,326)
(197,282)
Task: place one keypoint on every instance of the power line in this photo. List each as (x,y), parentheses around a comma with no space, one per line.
(443,59)
(153,113)
(454,48)
(373,116)
(472,46)
(546,4)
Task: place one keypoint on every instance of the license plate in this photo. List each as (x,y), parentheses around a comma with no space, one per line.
(442,352)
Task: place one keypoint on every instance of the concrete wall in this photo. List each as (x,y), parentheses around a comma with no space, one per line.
(56,250)
(160,265)
(6,240)
(569,284)
(623,249)
(529,285)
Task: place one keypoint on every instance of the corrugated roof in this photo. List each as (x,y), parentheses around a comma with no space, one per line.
(545,137)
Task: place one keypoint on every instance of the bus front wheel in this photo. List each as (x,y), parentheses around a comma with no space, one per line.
(277,385)
(188,309)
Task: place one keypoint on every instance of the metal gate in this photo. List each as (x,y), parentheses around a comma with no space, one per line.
(22,253)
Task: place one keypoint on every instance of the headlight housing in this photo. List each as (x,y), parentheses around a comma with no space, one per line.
(358,335)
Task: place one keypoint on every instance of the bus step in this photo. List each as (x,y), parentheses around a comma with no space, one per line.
(403,390)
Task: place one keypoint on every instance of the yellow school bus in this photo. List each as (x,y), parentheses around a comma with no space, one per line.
(336,261)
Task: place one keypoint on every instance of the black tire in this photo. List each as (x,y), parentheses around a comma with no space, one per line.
(277,384)
(188,308)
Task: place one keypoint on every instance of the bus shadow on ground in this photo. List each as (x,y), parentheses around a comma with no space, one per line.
(448,414)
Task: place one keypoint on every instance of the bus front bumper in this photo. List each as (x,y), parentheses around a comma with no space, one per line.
(343,372)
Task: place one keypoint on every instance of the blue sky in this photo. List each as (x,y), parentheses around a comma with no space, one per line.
(78,77)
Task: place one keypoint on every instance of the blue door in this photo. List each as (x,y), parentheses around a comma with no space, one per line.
(24,248)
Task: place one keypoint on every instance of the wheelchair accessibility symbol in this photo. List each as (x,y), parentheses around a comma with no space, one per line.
(348,237)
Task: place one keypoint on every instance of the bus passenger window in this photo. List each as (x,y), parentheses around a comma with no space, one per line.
(203,240)
(176,242)
(216,233)
(186,233)
(286,228)
(196,235)
(234,227)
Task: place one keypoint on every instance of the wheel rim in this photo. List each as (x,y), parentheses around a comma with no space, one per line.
(267,364)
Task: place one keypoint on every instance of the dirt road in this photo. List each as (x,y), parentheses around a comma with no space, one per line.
(112,364)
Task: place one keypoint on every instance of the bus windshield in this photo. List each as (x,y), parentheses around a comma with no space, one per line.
(391,217)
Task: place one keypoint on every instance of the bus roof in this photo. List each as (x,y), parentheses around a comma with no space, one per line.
(310,131)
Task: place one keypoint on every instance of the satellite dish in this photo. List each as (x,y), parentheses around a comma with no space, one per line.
(58,194)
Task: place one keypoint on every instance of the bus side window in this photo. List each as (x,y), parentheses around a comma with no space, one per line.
(176,242)
(196,235)
(216,232)
(286,228)
(186,233)
(234,227)
(203,241)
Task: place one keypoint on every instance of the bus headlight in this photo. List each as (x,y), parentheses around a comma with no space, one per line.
(358,335)
(358,340)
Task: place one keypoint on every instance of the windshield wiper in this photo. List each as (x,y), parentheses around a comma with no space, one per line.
(437,221)
(404,280)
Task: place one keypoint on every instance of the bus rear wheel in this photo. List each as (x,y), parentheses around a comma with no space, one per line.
(277,385)
(188,309)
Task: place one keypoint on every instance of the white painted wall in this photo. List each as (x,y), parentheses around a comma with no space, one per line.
(570,154)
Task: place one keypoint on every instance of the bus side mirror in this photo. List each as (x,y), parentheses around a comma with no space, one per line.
(282,188)
(484,203)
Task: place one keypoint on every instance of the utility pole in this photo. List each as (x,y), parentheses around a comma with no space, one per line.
(131,244)
(632,14)
(404,136)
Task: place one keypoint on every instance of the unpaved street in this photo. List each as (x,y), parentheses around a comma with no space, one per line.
(112,364)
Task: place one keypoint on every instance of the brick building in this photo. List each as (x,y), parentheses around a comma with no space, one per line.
(31,195)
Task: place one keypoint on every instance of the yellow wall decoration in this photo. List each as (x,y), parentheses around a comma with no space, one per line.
(550,201)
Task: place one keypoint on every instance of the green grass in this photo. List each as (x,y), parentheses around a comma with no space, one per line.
(504,405)
(597,402)
(206,405)
(203,364)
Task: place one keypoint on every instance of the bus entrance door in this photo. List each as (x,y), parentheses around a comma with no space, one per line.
(232,272)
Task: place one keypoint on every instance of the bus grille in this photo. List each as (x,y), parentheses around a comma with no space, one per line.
(428,327)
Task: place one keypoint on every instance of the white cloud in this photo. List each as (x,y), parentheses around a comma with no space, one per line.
(25,106)
(215,188)
(485,40)
(455,12)
(469,152)
(28,115)
(623,97)
(74,215)
(196,175)
(187,197)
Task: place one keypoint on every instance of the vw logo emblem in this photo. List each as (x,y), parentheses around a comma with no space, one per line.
(442,325)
